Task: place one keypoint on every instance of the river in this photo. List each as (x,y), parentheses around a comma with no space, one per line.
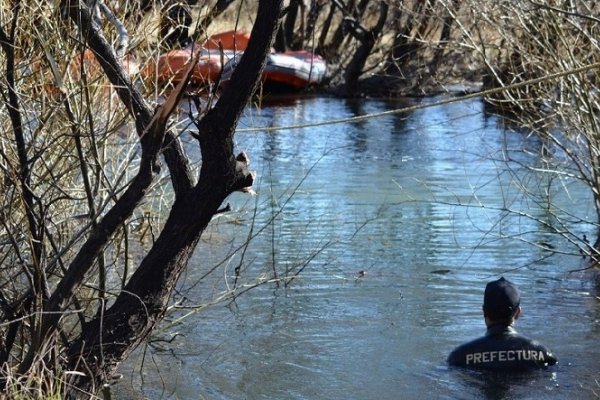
(393,225)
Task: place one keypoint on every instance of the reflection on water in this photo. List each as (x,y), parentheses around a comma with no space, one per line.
(427,207)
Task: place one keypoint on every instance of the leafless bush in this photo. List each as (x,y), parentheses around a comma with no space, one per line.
(81,155)
(555,45)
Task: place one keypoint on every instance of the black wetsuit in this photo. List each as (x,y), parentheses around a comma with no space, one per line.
(502,348)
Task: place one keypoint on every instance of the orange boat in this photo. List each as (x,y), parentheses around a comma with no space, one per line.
(294,69)
(286,72)
(170,67)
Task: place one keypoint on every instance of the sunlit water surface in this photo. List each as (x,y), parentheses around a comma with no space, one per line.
(426,207)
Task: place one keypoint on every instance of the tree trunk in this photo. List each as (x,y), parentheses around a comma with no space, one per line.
(110,337)
(367,39)
(280,44)
(444,37)
(333,47)
(325,30)
(404,45)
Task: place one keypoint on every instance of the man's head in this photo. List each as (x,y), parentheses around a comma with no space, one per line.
(501,301)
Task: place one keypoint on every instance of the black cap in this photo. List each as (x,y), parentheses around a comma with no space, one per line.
(501,299)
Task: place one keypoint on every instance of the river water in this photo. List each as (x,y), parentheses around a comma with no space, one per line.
(393,226)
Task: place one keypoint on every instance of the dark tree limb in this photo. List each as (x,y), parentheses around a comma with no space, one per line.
(445,33)
(34,270)
(151,139)
(101,233)
(12,102)
(108,339)
(340,33)
(367,39)
(404,45)
(177,162)
(151,131)
(325,30)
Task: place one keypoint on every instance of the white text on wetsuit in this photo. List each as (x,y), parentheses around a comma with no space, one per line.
(505,355)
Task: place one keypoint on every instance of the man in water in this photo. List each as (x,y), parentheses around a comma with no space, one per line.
(502,348)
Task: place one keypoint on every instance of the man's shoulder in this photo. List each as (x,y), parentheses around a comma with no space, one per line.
(525,342)
(458,355)
(513,351)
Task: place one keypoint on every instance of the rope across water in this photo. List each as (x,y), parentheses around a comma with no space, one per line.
(421,106)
